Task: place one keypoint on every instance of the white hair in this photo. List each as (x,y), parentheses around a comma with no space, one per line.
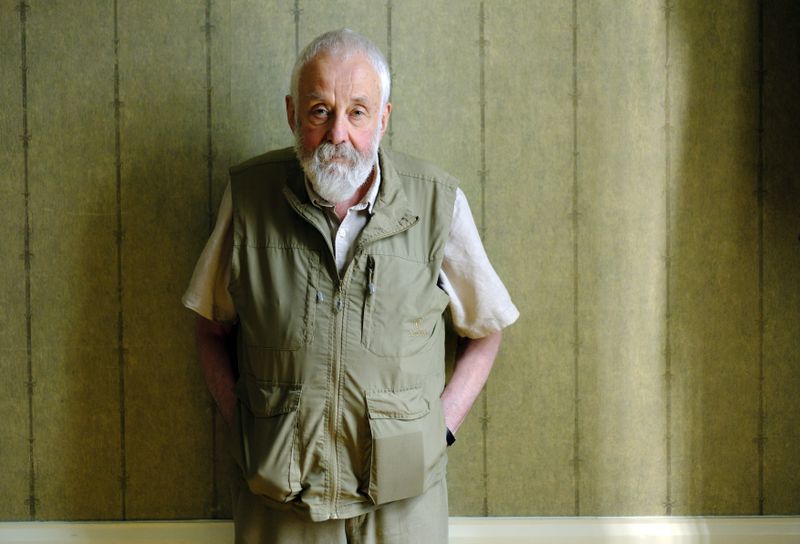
(344,43)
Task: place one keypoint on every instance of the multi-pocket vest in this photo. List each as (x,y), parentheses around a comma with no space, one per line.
(339,375)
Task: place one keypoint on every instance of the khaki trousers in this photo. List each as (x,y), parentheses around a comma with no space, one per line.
(418,520)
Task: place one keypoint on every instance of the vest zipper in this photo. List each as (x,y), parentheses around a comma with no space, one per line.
(340,305)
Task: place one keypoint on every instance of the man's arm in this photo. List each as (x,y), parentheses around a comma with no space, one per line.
(218,367)
(474,360)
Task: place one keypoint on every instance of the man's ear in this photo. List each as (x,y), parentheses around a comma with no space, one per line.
(387,111)
(290,117)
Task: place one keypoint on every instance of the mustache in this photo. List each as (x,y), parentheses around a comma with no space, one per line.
(327,152)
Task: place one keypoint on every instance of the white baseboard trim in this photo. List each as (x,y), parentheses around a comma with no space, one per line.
(626,530)
(463,530)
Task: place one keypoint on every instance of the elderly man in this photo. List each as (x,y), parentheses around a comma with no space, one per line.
(332,264)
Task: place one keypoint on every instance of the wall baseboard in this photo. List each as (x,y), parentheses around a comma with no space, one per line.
(627,530)
(463,530)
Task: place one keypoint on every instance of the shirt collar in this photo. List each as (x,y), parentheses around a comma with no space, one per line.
(367,202)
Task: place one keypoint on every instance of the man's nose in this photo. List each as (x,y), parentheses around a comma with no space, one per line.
(337,133)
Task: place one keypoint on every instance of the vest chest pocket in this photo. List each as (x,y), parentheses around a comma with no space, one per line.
(403,306)
(268,424)
(274,290)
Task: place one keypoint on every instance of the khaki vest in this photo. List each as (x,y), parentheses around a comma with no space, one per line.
(339,377)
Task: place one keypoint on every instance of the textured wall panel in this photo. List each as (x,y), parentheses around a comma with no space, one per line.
(781,251)
(364,16)
(14,428)
(714,258)
(437,88)
(263,36)
(621,225)
(647,234)
(528,233)
(437,116)
(73,281)
(164,192)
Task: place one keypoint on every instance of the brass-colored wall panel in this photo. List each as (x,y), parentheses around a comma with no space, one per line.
(164,195)
(714,258)
(781,251)
(621,231)
(528,187)
(436,116)
(262,55)
(652,255)
(73,310)
(436,88)
(14,428)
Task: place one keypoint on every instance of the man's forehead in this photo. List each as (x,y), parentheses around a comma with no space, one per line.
(323,72)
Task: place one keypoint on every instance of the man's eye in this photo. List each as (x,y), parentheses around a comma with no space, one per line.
(358,113)
(319,112)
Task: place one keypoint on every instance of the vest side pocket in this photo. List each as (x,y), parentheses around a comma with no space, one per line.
(398,422)
(268,426)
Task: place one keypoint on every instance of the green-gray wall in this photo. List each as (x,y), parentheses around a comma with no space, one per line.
(632,166)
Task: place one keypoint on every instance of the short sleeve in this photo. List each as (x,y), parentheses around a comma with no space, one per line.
(208,294)
(479,302)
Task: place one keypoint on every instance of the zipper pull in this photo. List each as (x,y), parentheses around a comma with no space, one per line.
(371,275)
(320,297)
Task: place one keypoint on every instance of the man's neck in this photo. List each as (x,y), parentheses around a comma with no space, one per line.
(340,208)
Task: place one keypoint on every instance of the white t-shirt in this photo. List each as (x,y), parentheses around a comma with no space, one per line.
(479,302)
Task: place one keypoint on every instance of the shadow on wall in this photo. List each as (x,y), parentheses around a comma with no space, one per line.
(731,223)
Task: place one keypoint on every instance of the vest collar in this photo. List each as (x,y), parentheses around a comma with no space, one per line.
(391,211)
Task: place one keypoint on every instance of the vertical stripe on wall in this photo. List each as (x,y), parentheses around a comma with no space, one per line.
(26,139)
(760,190)
(17,499)
(208,27)
(219,17)
(576,337)
(668,501)
(484,417)
(119,241)
(387,137)
(296,12)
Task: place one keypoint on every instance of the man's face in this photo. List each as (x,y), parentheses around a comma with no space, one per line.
(338,123)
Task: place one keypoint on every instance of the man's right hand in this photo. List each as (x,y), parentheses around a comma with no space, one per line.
(219,368)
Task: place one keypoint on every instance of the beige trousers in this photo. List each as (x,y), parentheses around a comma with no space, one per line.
(417,520)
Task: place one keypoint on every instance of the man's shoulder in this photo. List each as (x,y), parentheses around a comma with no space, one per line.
(276,157)
(408,166)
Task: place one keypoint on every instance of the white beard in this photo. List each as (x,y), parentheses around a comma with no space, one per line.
(337,180)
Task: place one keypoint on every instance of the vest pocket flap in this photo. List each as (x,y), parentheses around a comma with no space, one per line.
(404,404)
(269,399)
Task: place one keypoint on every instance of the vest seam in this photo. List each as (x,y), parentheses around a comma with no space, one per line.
(425,177)
(428,261)
(278,246)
